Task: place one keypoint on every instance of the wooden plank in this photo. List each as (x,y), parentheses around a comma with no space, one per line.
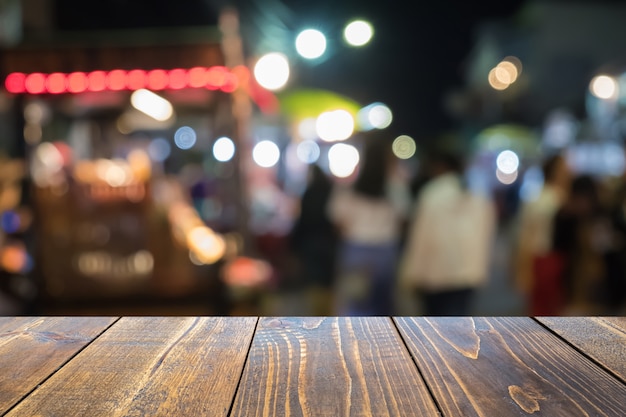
(32,348)
(508,367)
(601,338)
(330,367)
(150,366)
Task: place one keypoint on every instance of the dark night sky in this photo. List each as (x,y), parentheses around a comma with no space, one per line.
(415,57)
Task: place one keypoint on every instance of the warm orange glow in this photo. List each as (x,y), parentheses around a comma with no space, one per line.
(495,82)
(13,259)
(247,272)
(207,246)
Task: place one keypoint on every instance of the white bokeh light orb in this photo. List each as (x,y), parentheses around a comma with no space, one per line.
(272,71)
(604,87)
(311,44)
(266,154)
(507,162)
(380,116)
(224,149)
(358,33)
(334,125)
(343,160)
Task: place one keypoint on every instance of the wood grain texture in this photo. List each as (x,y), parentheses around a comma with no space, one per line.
(32,348)
(330,367)
(150,366)
(508,367)
(601,338)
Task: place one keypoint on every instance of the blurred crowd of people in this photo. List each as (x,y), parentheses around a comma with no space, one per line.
(359,245)
(570,252)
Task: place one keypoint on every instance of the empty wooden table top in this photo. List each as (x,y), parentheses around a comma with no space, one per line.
(312,366)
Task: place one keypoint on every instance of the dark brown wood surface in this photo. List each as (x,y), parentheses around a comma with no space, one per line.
(508,367)
(150,366)
(601,338)
(32,348)
(330,367)
(312,366)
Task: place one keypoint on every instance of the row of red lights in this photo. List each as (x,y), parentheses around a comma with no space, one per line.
(212,78)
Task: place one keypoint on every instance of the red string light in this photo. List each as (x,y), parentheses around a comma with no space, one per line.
(213,78)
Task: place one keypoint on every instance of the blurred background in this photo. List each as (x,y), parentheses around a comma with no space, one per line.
(155,156)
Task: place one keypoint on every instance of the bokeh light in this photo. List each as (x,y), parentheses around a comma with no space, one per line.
(404,147)
(494,81)
(272,71)
(266,154)
(306,129)
(308,151)
(507,162)
(506,179)
(311,43)
(96,81)
(35,83)
(507,72)
(10,221)
(152,104)
(159,149)
(358,33)
(13,258)
(343,159)
(603,86)
(224,149)
(77,82)
(334,125)
(56,83)
(185,137)
(375,116)
(207,246)
(516,62)
(15,82)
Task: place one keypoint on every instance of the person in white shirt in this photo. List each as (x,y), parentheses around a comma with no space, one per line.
(447,253)
(369,215)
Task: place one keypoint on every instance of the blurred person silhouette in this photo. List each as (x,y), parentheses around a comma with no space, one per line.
(369,216)
(313,240)
(538,267)
(579,237)
(447,254)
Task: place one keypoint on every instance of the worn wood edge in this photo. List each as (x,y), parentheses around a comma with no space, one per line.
(35,320)
(574,331)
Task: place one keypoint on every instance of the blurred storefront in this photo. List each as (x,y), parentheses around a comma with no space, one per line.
(114,133)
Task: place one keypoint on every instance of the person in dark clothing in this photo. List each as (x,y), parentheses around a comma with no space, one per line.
(314,241)
(575,229)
